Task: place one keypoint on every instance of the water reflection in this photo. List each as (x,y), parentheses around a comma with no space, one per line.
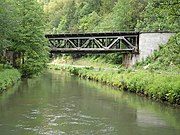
(58,103)
(147,119)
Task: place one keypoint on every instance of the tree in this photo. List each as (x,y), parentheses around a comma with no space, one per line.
(88,23)
(68,18)
(122,18)
(7,25)
(54,12)
(29,42)
(90,6)
(160,15)
(126,14)
(105,23)
(107,6)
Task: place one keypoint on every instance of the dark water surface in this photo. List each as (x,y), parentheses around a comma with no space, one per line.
(59,104)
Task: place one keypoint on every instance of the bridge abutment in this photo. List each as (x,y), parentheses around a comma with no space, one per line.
(148,43)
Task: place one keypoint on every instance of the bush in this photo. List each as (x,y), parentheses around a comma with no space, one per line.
(167,58)
(8,77)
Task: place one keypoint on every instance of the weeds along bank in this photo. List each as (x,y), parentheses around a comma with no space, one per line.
(8,77)
(163,87)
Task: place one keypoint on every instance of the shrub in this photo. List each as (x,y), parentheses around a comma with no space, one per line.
(8,77)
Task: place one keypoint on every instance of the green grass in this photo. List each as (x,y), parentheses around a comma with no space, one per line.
(1,67)
(164,87)
(167,59)
(96,62)
(8,77)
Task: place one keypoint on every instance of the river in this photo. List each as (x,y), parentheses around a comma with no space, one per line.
(58,103)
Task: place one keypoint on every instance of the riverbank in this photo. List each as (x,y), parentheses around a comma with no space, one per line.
(71,105)
(158,77)
(8,77)
(162,87)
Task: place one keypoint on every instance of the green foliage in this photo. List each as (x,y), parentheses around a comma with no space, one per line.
(8,77)
(160,15)
(106,24)
(34,64)
(22,33)
(167,58)
(30,38)
(7,25)
(102,61)
(92,15)
(69,16)
(114,58)
(88,23)
(73,16)
(126,13)
(119,15)
(68,20)
(157,86)
(164,87)
(107,6)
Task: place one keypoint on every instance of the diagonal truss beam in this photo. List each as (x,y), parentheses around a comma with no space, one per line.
(98,42)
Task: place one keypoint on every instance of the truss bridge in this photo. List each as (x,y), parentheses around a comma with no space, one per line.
(125,42)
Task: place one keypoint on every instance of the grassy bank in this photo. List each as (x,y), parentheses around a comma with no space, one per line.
(157,86)
(157,77)
(163,87)
(8,77)
(97,62)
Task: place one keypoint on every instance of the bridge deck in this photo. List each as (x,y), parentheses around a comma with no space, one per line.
(91,34)
(94,42)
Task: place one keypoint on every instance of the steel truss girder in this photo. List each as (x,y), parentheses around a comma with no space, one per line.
(122,43)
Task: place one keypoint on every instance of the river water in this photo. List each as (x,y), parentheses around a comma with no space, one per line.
(60,104)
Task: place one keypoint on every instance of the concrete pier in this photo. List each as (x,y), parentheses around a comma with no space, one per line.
(148,43)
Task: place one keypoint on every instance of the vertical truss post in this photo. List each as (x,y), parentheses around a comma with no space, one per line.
(125,42)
